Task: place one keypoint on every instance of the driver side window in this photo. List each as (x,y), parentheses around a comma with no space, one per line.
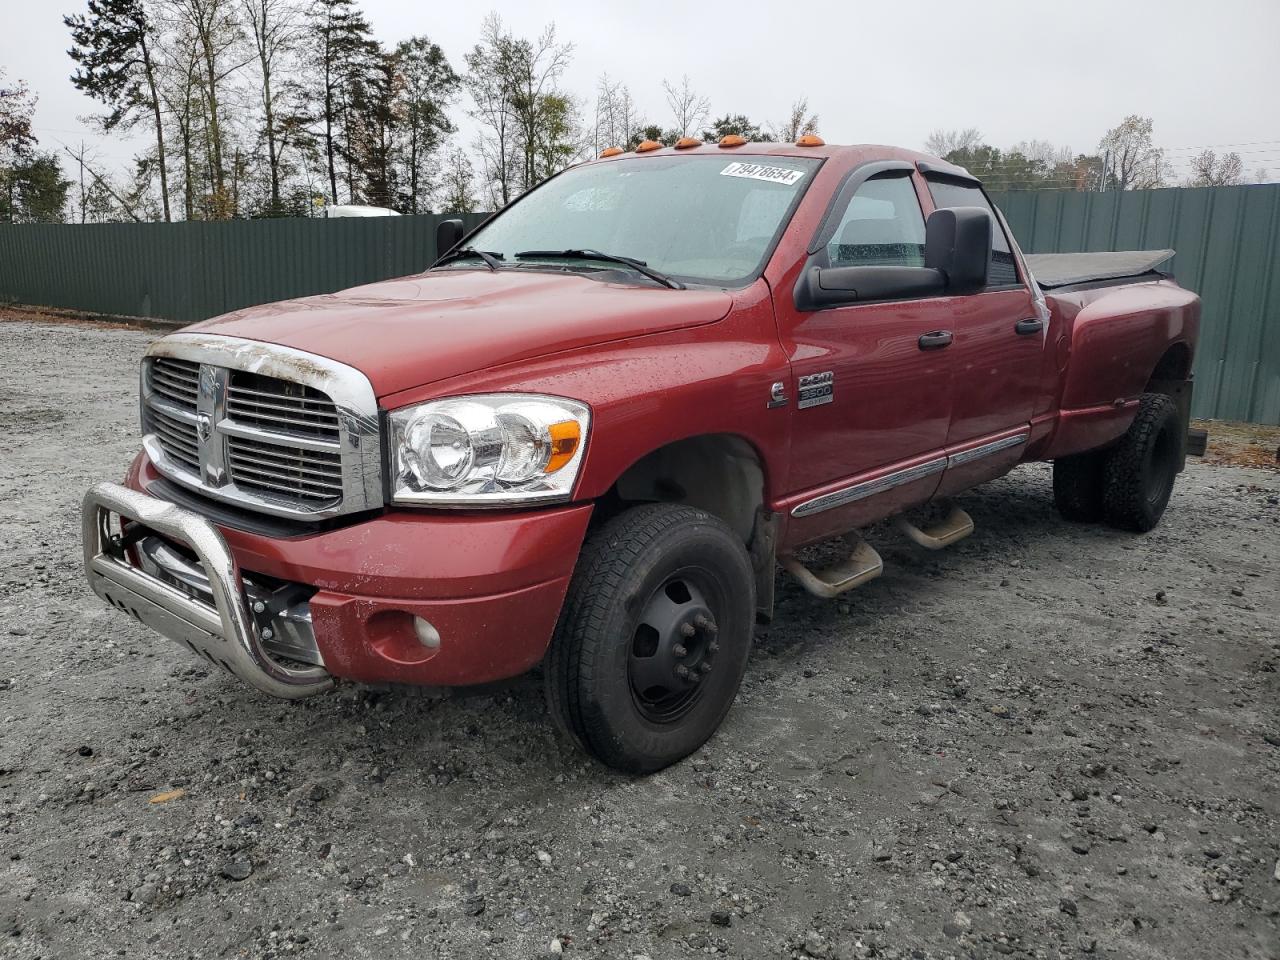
(882,226)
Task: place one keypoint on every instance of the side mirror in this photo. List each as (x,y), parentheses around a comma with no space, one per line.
(840,286)
(957,241)
(448,235)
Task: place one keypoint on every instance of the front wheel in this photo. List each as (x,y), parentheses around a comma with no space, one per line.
(654,637)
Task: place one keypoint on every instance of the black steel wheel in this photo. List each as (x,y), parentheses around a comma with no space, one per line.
(674,646)
(653,638)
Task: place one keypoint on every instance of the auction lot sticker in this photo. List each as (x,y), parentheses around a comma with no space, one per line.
(758,171)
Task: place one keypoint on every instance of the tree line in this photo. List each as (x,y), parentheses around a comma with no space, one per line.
(262,108)
(1126,158)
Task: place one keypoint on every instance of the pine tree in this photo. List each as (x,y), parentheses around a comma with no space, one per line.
(344,50)
(427,86)
(113,47)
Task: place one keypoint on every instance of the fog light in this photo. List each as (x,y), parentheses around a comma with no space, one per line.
(428,635)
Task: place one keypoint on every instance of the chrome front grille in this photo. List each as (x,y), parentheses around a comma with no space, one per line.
(264,427)
(306,474)
(178,381)
(177,436)
(274,404)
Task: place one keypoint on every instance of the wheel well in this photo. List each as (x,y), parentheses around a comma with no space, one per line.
(719,473)
(1174,365)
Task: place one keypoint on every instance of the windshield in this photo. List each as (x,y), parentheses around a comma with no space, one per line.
(698,218)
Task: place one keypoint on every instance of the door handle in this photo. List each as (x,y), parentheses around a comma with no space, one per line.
(935,340)
(1025,328)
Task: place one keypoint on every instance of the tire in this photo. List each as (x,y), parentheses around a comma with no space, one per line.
(1077,486)
(1139,472)
(653,580)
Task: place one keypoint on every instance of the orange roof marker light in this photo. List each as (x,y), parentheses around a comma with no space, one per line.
(647,145)
(732,140)
(811,140)
(610,152)
(684,143)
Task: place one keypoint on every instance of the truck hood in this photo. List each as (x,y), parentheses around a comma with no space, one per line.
(417,330)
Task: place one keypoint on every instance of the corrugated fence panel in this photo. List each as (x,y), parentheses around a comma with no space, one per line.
(190,271)
(1228,243)
(1227,238)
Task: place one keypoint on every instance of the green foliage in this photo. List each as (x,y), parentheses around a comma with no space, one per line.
(108,46)
(427,86)
(738,124)
(33,190)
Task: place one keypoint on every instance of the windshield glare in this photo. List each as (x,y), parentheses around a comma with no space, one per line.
(701,219)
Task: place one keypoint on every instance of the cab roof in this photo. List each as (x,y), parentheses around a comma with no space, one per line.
(849,154)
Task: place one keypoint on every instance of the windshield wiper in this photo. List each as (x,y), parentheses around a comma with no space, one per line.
(637,265)
(492,261)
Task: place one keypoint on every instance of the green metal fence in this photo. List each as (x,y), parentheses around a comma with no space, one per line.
(1227,238)
(191,271)
(1228,243)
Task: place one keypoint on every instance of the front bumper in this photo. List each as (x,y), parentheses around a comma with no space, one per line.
(222,632)
(490,584)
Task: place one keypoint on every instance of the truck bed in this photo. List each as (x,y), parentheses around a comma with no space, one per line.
(1054,270)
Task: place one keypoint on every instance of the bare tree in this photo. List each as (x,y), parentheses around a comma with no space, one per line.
(616,114)
(538,108)
(799,122)
(942,142)
(216,29)
(276,28)
(689,109)
(490,66)
(531,128)
(1209,170)
(1134,162)
(1043,152)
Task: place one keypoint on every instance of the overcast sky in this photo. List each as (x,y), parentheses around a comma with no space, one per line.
(1206,72)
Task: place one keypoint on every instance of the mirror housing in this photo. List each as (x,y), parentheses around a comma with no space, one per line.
(840,286)
(449,234)
(957,241)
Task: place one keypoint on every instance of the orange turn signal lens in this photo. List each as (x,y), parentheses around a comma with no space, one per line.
(647,145)
(684,143)
(610,152)
(811,140)
(732,140)
(565,437)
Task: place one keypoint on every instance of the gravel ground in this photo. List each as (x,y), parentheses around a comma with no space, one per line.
(1049,741)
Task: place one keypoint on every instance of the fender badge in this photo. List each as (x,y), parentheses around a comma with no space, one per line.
(816,389)
(777,395)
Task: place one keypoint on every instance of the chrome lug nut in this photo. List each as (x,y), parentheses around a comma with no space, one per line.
(713,646)
(679,650)
(267,633)
(682,671)
(259,607)
(705,667)
(687,630)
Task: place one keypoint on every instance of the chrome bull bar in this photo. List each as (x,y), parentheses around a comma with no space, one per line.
(224,633)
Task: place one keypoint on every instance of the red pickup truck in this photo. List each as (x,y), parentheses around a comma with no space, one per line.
(588,435)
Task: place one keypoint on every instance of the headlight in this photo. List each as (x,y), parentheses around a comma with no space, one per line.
(489,450)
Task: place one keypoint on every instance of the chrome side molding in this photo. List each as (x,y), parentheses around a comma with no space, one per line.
(869,488)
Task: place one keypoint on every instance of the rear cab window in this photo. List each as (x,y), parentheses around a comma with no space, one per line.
(957,193)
